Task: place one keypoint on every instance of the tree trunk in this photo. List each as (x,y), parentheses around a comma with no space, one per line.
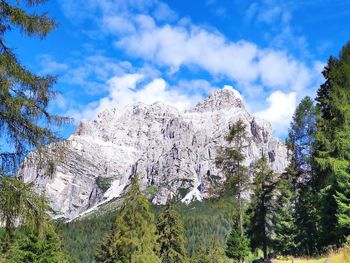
(240,215)
(265,250)
(264,230)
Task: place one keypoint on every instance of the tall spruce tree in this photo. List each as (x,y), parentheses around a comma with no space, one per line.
(300,141)
(230,159)
(170,233)
(133,235)
(284,238)
(303,208)
(332,149)
(262,206)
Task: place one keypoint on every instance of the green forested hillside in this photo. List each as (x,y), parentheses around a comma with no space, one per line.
(210,219)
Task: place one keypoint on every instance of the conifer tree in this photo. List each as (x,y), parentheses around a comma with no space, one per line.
(30,246)
(300,144)
(19,202)
(301,137)
(210,251)
(35,240)
(332,149)
(230,159)
(170,233)
(133,235)
(284,241)
(262,206)
(237,246)
(25,122)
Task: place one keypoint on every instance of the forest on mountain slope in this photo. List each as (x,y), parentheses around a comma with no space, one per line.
(304,211)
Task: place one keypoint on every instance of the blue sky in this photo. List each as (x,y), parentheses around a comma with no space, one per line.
(110,53)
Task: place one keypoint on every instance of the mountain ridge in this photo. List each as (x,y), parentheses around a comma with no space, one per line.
(172,151)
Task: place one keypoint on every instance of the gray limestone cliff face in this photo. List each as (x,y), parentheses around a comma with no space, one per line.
(172,151)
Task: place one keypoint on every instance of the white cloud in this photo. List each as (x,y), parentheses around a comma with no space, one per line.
(278,70)
(148,31)
(280,110)
(127,90)
(241,61)
(117,25)
(176,46)
(184,44)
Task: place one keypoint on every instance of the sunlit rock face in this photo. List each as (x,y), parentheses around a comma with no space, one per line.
(173,152)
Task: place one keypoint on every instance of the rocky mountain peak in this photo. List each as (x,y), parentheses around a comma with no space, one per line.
(172,151)
(221,99)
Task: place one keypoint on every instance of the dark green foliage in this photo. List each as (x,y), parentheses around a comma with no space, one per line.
(210,219)
(30,24)
(25,122)
(81,237)
(283,219)
(104,183)
(211,251)
(36,239)
(262,206)
(332,150)
(182,192)
(306,220)
(295,212)
(237,246)
(33,247)
(300,143)
(170,233)
(230,161)
(133,234)
(18,201)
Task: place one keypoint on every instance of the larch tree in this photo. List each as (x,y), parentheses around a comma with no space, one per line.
(35,239)
(133,235)
(25,123)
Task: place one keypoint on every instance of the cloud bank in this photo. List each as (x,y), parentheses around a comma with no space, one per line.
(152,32)
(125,91)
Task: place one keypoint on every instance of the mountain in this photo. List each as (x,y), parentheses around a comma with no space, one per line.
(172,151)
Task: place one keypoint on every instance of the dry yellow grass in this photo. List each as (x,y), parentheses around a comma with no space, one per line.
(341,256)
